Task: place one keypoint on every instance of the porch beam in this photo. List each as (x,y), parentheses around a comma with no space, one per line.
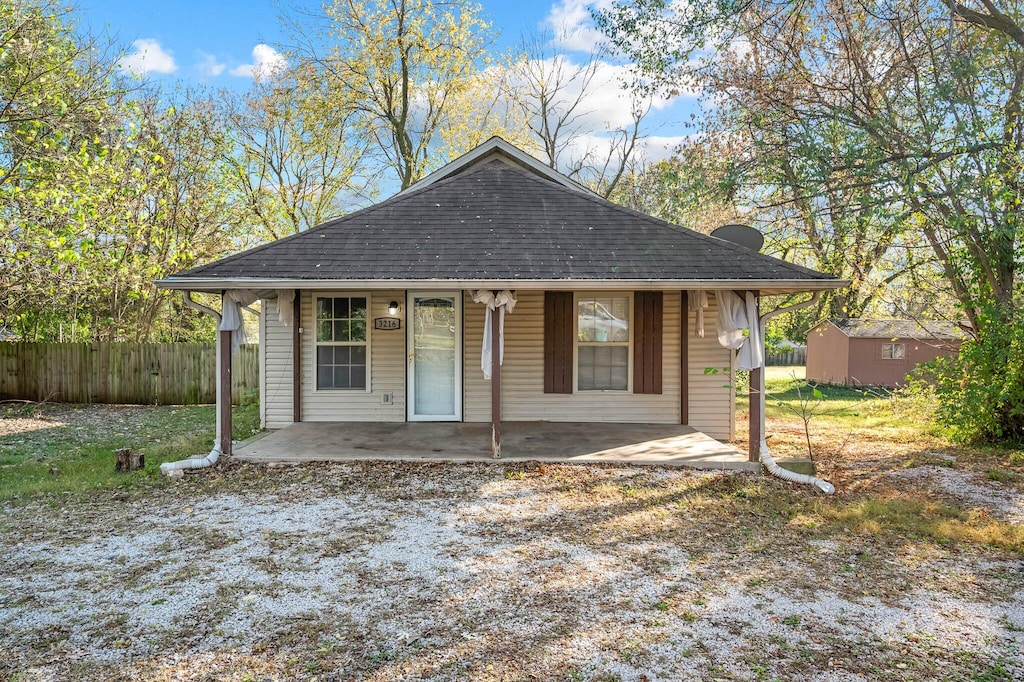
(224,390)
(495,384)
(297,356)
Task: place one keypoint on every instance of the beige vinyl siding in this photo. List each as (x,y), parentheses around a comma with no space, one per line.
(387,367)
(275,368)
(712,398)
(476,391)
(523,397)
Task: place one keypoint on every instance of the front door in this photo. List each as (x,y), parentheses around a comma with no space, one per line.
(435,356)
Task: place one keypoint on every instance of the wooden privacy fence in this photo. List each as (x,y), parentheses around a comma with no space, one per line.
(123,373)
(787,358)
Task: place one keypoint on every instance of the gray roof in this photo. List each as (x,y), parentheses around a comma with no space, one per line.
(495,221)
(869,328)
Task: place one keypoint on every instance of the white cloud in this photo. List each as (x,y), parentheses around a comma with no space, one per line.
(572,26)
(208,66)
(265,62)
(148,56)
(606,103)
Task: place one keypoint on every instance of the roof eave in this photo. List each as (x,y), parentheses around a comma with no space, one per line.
(766,287)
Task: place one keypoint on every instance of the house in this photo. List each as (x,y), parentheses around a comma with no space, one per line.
(871,352)
(595,313)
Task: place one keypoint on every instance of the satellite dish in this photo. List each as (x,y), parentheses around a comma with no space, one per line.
(744,235)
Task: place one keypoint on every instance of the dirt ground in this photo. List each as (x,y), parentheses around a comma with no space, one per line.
(498,572)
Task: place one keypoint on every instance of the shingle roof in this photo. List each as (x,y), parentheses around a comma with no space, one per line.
(867,328)
(496,221)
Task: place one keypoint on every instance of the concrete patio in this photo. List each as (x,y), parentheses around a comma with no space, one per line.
(662,444)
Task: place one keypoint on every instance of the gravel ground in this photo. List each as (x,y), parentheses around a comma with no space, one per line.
(970,489)
(485,572)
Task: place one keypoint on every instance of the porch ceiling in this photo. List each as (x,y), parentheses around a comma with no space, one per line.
(670,445)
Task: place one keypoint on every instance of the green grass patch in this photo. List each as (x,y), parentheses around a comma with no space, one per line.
(76,454)
(916,518)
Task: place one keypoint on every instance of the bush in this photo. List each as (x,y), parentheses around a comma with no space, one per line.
(981,391)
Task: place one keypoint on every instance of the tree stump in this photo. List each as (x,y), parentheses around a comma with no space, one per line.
(128,460)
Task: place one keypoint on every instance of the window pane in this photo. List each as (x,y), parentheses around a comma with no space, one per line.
(358,377)
(324,356)
(900,351)
(341,355)
(325,377)
(603,319)
(603,368)
(358,311)
(340,308)
(323,309)
(358,355)
(341,377)
(323,331)
(341,330)
(586,368)
(358,330)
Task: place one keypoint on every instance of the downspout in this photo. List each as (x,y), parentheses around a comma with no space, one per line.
(176,469)
(766,456)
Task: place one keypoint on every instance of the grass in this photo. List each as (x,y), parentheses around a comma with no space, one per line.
(75,454)
(857,440)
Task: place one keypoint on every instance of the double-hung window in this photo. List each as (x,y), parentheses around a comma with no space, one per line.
(602,342)
(342,353)
(894,351)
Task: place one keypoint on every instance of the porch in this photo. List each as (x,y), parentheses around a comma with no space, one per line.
(661,444)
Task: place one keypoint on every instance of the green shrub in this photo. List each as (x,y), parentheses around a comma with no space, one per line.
(981,390)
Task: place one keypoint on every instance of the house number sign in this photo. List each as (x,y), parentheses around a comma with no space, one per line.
(387,323)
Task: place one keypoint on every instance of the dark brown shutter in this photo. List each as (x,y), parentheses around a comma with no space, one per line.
(558,326)
(647,333)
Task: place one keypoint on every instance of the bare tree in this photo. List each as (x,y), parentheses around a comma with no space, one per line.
(556,95)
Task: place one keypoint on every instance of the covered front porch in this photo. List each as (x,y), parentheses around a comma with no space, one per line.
(661,444)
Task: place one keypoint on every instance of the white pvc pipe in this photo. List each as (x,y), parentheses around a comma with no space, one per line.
(766,456)
(194,462)
(208,460)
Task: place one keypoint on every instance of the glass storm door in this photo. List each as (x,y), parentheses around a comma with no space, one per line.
(435,356)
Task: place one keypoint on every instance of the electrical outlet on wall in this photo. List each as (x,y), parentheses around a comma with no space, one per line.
(387,398)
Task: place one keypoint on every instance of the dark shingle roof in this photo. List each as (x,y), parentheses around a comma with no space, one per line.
(867,328)
(496,221)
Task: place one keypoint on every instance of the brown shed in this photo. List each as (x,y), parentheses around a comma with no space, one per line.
(870,352)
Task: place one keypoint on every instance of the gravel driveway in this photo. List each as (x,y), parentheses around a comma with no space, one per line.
(485,572)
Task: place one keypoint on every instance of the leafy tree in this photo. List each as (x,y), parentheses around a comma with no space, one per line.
(399,66)
(53,81)
(883,114)
(296,160)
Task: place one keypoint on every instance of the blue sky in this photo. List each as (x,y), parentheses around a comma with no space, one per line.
(221,42)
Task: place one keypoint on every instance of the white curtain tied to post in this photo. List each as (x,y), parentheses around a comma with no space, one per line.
(735,314)
(285,306)
(231,314)
(502,302)
(698,302)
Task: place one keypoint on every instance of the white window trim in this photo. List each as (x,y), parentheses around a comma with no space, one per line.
(316,344)
(576,343)
(893,345)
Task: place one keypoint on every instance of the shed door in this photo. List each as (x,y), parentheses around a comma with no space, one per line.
(435,352)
